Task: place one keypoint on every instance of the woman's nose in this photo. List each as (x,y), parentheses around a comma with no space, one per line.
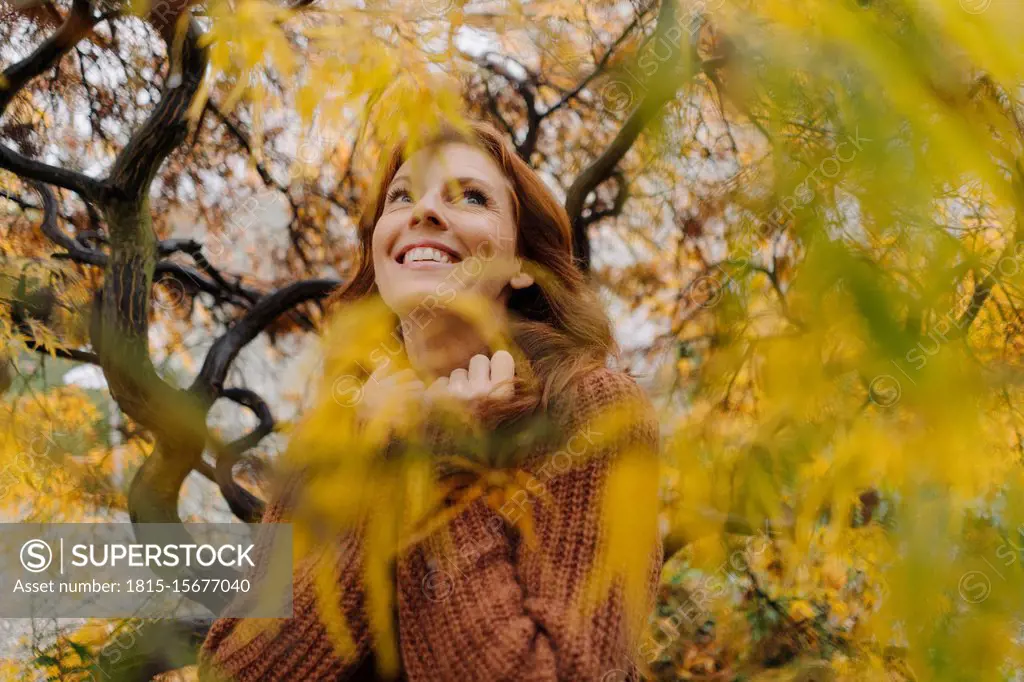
(428,210)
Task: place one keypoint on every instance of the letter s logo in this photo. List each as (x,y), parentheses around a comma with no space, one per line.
(36,556)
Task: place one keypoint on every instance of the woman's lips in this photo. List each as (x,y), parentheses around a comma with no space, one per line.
(426,265)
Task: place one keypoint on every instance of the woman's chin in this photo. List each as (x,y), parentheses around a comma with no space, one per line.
(418,292)
(422,280)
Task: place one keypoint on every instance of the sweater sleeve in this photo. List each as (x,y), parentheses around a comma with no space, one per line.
(491,608)
(300,647)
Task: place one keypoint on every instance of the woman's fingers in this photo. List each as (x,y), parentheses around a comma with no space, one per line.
(503,370)
(479,375)
(486,376)
(414,386)
(458,383)
(437,389)
(503,367)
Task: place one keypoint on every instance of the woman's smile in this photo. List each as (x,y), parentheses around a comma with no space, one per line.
(444,205)
(427,255)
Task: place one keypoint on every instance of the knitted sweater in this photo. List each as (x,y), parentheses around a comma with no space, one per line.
(488,607)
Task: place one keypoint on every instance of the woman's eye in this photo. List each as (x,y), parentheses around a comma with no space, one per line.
(396,193)
(472,195)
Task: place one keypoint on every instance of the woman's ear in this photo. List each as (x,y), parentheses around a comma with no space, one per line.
(521,279)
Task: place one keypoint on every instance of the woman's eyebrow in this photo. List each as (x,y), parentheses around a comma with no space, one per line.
(467,180)
(463,181)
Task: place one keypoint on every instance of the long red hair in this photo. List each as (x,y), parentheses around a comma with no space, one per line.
(557,323)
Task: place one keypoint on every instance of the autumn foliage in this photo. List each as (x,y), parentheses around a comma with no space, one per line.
(805,219)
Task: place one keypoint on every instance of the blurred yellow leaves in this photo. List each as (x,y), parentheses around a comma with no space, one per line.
(844,450)
(856,410)
(629,509)
(46,473)
(346,64)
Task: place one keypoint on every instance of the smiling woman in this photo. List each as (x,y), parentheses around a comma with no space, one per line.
(465,215)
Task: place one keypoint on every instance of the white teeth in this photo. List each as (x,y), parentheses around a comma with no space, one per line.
(420,253)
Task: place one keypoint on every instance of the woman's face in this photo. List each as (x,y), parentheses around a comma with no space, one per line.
(435,239)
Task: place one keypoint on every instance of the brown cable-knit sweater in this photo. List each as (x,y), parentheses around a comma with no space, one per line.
(489,609)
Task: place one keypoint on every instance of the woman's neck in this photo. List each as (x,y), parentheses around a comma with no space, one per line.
(441,344)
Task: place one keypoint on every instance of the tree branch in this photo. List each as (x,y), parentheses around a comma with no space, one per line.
(526,90)
(49,227)
(243,142)
(984,288)
(147,149)
(78,251)
(210,381)
(621,195)
(217,284)
(87,188)
(246,506)
(598,68)
(65,353)
(661,88)
(250,399)
(76,26)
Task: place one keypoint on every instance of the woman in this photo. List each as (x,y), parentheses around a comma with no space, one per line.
(502,609)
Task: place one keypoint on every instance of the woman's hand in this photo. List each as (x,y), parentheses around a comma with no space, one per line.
(389,393)
(487,377)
